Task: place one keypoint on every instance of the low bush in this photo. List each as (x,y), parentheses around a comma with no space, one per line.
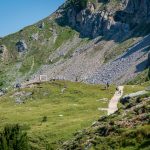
(13,138)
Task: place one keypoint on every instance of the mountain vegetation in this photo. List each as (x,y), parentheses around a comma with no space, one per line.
(12,138)
(58,76)
(127,129)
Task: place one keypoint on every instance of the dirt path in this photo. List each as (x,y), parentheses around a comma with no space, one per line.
(114,101)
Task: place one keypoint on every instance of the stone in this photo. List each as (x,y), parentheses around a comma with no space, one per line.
(2,92)
(41,25)
(2,47)
(18,85)
(21,97)
(35,36)
(91,7)
(28,94)
(21,46)
(18,100)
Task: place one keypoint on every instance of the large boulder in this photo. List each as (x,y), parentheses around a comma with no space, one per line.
(21,46)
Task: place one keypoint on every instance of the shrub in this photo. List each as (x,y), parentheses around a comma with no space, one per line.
(44,119)
(12,138)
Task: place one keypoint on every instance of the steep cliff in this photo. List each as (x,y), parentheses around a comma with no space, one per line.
(105,18)
(136,11)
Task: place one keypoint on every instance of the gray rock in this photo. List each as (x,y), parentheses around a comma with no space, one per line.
(2,47)
(28,94)
(41,25)
(17,86)
(22,97)
(18,100)
(93,24)
(2,92)
(107,22)
(116,69)
(126,98)
(35,36)
(21,46)
(135,11)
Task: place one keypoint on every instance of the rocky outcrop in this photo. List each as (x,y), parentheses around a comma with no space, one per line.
(137,11)
(93,22)
(21,46)
(35,36)
(22,97)
(134,11)
(4,54)
(41,25)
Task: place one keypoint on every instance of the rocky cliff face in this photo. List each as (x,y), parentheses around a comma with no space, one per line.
(100,18)
(93,22)
(134,12)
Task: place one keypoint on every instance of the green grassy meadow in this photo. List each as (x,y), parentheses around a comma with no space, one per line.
(51,116)
(65,113)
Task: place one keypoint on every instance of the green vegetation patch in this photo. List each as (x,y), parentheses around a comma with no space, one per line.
(52,115)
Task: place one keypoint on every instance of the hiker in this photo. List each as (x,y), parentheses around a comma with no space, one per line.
(63,89)
(76,80)
(107,86)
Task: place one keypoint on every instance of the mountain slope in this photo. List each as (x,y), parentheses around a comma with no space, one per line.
(80,41)
(127,129)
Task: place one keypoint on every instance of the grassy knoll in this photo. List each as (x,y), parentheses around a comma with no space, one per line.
(49,115)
